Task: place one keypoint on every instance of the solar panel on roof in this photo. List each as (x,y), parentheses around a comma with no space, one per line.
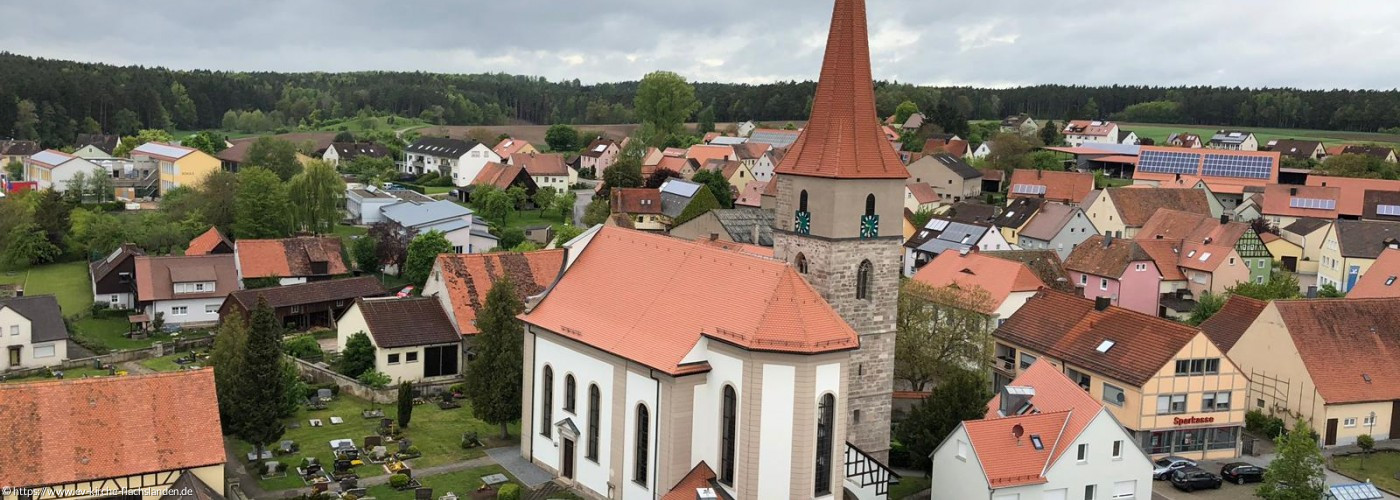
(1392,210)
(1312,204)
(164,150)
(1169,162)
(1034,189)
(937,224)
(1241,166)
(680,188)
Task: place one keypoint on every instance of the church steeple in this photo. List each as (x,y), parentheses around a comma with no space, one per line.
(843,138)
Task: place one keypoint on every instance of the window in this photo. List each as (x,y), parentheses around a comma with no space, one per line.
(1349,422)
(639,465)
(802,201)
(569,391)
(1103,283)
(411,357)
(801,262)
(1141,267)
(1090,491)
(826,418)
(43,351)
(1027,360)
(870,203)
(1082,453)
(115,298)
(1208,366)
(1124,489)
(728,422)
(179,310)
(593,415)
(1366,420)
(1079,378)
(393,359)
(211,308)
(1171,404)
(1232,261)
(1118,449)
(14,330)
(1083,279)
(547,402)
(199,287)
(863,280)
(1113,394)
(962,449)
(457,249)
(1215,401)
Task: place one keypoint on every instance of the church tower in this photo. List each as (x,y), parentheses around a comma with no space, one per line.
(839,203)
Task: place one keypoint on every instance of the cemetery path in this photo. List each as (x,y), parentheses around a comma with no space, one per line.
(135,368)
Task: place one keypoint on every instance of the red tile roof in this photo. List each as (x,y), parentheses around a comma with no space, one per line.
(1087,127)
(498,175)
(752,195)
(1069,187)
(697,478)
(923,193)
(1353,197)
(289,258)
(1382,279)
(541,164)
(1009,461)
(1068,328)
(636,201)
(651,286)
(1165,254)
(1168,224)
(509,146)
(702,154)
(209,243)
(1054,394)
(69,431)
(469,277)
(843,138)
(1104,256)
(998,277)
(1345,341)
(1228,324)
(1137,205)
(1278,200)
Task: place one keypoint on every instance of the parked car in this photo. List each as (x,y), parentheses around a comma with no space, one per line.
(1240,473)
(1165,465)
(1190,479)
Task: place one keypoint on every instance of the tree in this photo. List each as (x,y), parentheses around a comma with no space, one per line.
(262,388)
(276,155)
(962,395)
(358,356)
(518,196)
(1357,165)
(1281,285)
(52,213)
(564,233)
(904,111)
(706,119)
(142,137)
(510,238)
(1050,134)
(28,245)
(227,359)
(1297,473)
(562,138)
(941,330)
(375,380)
(719,186)
(207,142)
(261,207)
(391,243)
(1045,160)
(493,204)
(320,194)
(597,212)
(365,253)
(494,376)
(405,412)
(344,136)
(185,114)
(659,177)
(422,253)
(921,217)
(101,185)
(1008,151)
(1090,110)
(1366,443)
(544,199)
(626,173)
(1206,306)
(77,186)
(15,169)
(564,205)
(664,103)
(1329,291)
(26,120)
(370,170)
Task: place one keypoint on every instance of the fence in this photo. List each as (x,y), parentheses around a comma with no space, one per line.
(324,375)
(154,351)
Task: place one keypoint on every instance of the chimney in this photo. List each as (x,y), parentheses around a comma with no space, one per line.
(755,234)
(1039,174)
(1224,219)
(1292,191)
(1101,303)
(1107,240)
(1015,400)
(714,236)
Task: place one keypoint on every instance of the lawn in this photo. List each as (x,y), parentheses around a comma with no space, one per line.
(70,374)
(527,218)
(1160,132)
(462,483)
(437,433)
(68,281)
(1381,468)
(110,332)
(908,486)
(164,363)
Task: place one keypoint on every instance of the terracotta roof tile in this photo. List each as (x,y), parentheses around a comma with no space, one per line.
(541,164)
(1278,200)
(310,293)
(1382,279)
(702,154)
(1009,461)
(1068,187)
(1136,205)
(1168,224)
(636,201)
(1228,324)
(699,477)
(1344,341)
(498,175)
(289,258)
(1165,254)
(212,241)
(70,431)
(1054,393)
(1046,265)
(509,147)
(843,138)
(155,276)
(752,195)
(923,193)
(998,277)
(409,322)
(1353,197)
(653,284)
(469,277)
(1105,256)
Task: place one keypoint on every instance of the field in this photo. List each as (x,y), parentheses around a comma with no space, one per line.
(535,133)
(1160,132)
(68,282)
(353,125)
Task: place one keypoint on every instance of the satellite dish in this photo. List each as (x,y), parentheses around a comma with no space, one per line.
(1119,397)
(1018,431)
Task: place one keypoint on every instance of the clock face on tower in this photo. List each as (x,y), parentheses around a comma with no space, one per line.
(869,226)
(802,222)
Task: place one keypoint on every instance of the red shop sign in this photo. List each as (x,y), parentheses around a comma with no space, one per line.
(1193,420)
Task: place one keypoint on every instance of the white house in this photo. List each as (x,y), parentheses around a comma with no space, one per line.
(32,332)
(457,223)
(460,160)
(747,128)
(982,150)
(52,168)
(1236,140)
(547,170)
(413,339)
(1078,132)
(942,234)
(1043,438)
(344,152)
(184,290)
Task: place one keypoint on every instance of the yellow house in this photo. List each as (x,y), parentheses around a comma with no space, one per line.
(1017,215)
(1349,249)
(1327,362)
(738,174)
(1287,252)
(1121,212)
(1167,383)
(178,165)
(1307,234)
(167,437)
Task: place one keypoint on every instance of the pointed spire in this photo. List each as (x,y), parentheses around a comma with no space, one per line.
(843,138)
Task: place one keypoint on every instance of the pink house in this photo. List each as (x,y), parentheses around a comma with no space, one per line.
(1104,266)
(600,155)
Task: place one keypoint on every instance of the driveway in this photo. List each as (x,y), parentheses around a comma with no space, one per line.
(585,196)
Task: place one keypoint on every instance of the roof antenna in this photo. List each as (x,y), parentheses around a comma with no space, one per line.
(1018,431)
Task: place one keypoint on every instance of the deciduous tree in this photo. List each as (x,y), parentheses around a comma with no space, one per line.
(961,395)
(261,206)
(358,356)
(659,177)
(101,185)
(1206,306)
(597,212)
(207,142)
(422,253)
(142,137)
(665,102)
(1281,285)
(391,243)
(365,253)
(904,111)
(1296,474)
(494,376)
(276,155)
(941,330)
(562,138)
(544,199)
(319,195)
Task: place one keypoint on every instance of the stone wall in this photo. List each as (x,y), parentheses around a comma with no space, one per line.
(318,374)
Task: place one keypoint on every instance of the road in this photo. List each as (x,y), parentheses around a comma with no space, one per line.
(585,196)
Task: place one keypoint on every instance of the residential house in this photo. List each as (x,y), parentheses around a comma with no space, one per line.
(414,341)
(232,158)
(178,165)
(752,195)
(15,151)
(920,196)
(96,145)
(53,169)
(1227,325)
(1285,204)
(1382,152)
(750,226)
(778,138)
(1352,203)
(455,159)
(1166,383)
(1234,140)
(1208,244)
(637,208)
(291,260)
(981,150)
(137,433)
(1381,205)
(504,177)
(758,157)
(1079,132)
(1308,235)
(599,155)
(703,154)
(1043,437)
(547,170)
(306,305)
(1019,124)
(32,332)
(1185,140)
(114,278)
(970,211)
(511,146)
(942,234)
(1063,187)
(1297,149)
(184,291)
(1122,211)
(461,282)
(345,152)
(1249,209)
(211,242)
(954,146)
(1328,362)
(1285,252)
(1006,283)
(1118,270)
(1128,137)
(733,171)
(1018,213)
(681,165)
(1058,227)
(1046,265)
(1379,280)
(1351,247)
(951,177)
(914,122)
(467,232)
(747,128)
(1228,174)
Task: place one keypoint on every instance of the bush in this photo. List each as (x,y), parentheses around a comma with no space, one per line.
(281,467)
(1268,426)
(311,390)
(1365,442)
(510,491)
(457,389)
(303,347)
(397,481)
(412,450)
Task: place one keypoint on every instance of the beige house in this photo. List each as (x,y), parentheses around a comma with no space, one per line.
(32,332)
(1328,362)
(413,338)
(1308,235)
(949,176)
(1167,383)
(1121,212)
(1349,249)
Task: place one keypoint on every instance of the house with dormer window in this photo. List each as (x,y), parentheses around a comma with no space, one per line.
(454,159)
(184,290)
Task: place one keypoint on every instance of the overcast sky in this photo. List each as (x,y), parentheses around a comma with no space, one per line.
(1295,43)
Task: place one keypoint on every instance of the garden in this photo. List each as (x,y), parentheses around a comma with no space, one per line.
(1381,467)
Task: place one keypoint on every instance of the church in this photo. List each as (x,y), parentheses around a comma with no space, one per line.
(662,368)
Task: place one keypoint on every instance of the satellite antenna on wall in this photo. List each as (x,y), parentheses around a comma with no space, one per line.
(1018,431)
